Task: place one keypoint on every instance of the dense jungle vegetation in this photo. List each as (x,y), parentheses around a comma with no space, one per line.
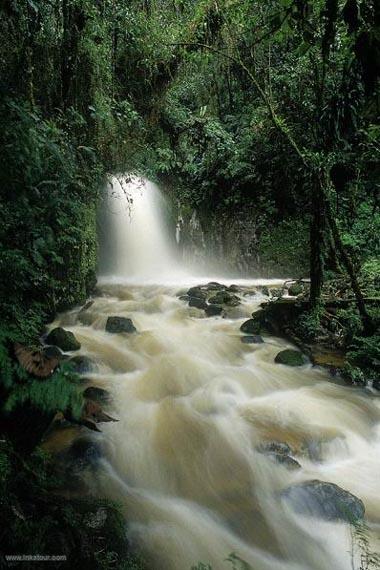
(241,108)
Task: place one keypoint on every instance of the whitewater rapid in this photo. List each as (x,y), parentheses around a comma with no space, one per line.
(194,405)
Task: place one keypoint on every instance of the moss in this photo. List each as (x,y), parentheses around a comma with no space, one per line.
(65,340)
(284,249)
(290,357)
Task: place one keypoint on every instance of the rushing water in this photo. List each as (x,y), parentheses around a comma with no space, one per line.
(195,403)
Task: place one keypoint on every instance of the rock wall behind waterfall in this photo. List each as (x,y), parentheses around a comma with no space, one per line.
(237,242)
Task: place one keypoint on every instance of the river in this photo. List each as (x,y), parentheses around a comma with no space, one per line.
(195,408)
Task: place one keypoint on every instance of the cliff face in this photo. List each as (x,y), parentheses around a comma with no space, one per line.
(236,242)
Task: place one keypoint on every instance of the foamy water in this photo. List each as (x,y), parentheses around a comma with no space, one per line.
(194,405)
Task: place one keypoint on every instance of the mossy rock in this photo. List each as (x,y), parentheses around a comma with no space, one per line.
(324,500)
(290,357)
(252,327)
(213,310)
(252,339)
(120,325)
(65,340)
(224,298)
(82,364)
(197,302)
(197,292)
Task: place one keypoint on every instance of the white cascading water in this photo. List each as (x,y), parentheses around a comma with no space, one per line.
(138,237)
(195,403)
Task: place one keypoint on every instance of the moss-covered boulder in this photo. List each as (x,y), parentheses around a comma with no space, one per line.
(213,310)
(197,292)
(120,325)
(324,500)
(224,298)
(251,326)
(197,302)
(82,364)
(290,357)
(65,340)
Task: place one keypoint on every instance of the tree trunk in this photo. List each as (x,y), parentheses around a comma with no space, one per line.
(349,266)
(317,240)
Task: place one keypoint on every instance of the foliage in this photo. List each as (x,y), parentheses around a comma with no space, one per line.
(33,515)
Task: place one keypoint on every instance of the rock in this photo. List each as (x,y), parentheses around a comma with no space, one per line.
(65,340)
(83,453)
(213,310)
(324,500)
(82,364)
(250,293)
(197,302)
(215,286)
(252,339)
(280,453)
(290,357)
(184,298)
(275,447)
(97,394)
(120,325)
(284,460)
(224,298)
(54,352)
(252,327)
(197,292)
(234,289)
(296,289)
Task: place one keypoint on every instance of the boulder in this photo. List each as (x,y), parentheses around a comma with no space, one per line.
(65,340)
(275,447)
(213,310)
(284,460)
(120,325)
(324,500)
(197,302)
(234,289)
(279,452)
(197,292)
(97,394)
(224,298)
(82,364)
(252,339)
(184,298)
(251,327)
(54,352)
(215,286)
(296,289)
(290,357)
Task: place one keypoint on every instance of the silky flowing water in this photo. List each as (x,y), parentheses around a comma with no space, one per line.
(194,404)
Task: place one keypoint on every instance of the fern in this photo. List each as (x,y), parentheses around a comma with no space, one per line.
(57,393)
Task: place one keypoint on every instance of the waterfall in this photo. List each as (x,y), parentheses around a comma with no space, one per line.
(136,241)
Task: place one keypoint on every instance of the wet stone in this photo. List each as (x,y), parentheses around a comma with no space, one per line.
(213,310)
(197,303)
(65,340)
(120,325)
(82,364)
(252,339)
(324,500)
(97,394)
(251,327)
(290,357)
(197,292)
